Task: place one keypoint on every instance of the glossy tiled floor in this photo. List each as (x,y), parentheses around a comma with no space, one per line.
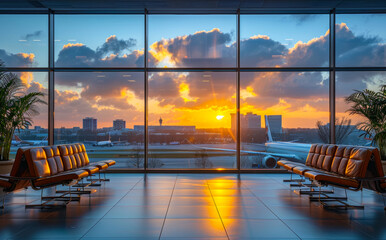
(193,206)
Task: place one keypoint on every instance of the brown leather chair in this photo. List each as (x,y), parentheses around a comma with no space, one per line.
(39,168)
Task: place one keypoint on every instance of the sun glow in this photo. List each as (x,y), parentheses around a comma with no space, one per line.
(219,117)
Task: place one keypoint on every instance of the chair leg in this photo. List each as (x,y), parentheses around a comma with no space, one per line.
(46,200)
(3,201)
(294,180)
(341,204)
(104,179)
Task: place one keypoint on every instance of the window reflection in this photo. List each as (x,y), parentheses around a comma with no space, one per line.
(37,133)
(24,41)
(299,40)
(346,84)
(280,112)
(99,40)
(101,110)
(190,120)
(192,41)
(360,40)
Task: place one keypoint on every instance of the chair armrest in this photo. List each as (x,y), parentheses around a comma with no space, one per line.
(18,178)
(371,179)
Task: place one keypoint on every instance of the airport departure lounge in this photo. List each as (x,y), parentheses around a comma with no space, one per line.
(237,120)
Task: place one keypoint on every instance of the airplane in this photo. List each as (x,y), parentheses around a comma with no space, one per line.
(16,141)
(106,143)
(276,150)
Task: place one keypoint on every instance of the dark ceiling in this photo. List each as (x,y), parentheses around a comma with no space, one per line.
(192,4)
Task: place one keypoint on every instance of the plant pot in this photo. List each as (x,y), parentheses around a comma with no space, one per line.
(6,166)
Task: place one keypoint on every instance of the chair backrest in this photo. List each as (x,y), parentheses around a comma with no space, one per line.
(81,154)
(320,156)
(37,162)
(347,161)
(20,169)
(375,169)
(79,162)
(67,162)
(51,160)
(54,159)
(58,158)
(86,159)
(339,163)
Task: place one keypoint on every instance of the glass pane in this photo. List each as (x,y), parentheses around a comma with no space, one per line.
(294,104)
(190,120)
(192,41)
(99,40)
(346,84)
(37,133)
(24,40)
(100,110)
(360,40)
(284,40)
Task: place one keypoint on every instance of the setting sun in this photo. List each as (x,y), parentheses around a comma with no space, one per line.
(219,117)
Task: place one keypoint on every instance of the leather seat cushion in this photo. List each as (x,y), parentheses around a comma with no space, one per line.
(302,169)
(90,169)
(283,162)
(332,179)
(64,177)
(101,165)
(109,162)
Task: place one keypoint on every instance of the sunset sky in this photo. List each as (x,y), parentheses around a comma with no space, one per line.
(195,98)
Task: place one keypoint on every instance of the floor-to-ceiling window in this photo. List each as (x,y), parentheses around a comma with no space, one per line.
(190,110)
(360,43)
(179,110)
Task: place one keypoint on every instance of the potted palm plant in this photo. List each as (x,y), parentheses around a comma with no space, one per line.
(372,106)
(17,107)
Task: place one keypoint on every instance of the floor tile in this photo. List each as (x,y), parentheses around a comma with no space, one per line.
(326,229)
(246,212)
(256,228)
(143,211)
(193,228)
(110,228)
(192,212)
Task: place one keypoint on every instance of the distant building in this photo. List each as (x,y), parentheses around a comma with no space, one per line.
(75,129)
(166,128)
(119,124)
(275,123)
(248,121)
(90,124)
(252,121)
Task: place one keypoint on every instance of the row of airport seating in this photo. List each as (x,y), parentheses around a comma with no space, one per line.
(43,167)
(348,167)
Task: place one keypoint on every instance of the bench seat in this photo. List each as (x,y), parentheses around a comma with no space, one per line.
(333,179)
(61,178)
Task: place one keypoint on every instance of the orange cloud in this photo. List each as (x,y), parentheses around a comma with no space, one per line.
(301,45)
(68,45)
(26,78)
(27,56)
(111,38)
(184,93)
(260,37)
